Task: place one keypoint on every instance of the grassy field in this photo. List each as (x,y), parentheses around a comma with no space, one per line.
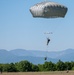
(39,73)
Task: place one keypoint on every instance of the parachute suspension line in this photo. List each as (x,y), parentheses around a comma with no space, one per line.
(46,55)
(47,44)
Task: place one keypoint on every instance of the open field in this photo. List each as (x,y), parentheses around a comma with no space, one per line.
(39,73)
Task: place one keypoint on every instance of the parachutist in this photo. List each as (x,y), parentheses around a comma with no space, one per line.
(45,58)
(48,40)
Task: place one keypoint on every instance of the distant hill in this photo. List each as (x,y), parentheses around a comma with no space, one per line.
(65,55)
(6,56)
(35,56)
(23,52)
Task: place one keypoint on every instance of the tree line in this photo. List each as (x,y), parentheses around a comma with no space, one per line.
(26,66)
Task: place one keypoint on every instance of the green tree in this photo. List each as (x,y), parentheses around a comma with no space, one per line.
(40,66)
(49,66)
(72,65)
(24,66)
(72,68)
(68,66)
(35,68)
(9,67)
(60,66)
(1,68)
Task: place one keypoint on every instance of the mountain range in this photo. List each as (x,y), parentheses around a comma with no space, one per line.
(35,56)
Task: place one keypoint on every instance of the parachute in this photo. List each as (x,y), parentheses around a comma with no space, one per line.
(48,9)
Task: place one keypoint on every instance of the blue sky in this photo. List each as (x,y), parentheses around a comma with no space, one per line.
(18,29)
